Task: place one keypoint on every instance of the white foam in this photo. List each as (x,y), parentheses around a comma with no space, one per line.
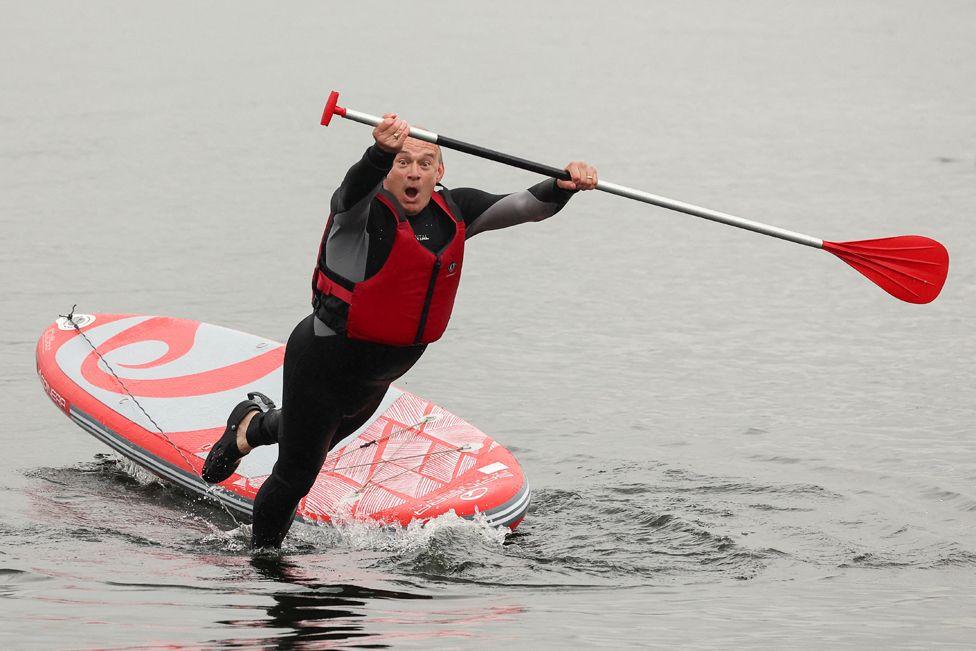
(142,476)
(416,536)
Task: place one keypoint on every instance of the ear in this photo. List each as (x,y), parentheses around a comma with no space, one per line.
(440,171)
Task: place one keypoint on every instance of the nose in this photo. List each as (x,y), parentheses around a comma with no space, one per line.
(413,171)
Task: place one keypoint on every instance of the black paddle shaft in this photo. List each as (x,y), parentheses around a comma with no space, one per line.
(501,157)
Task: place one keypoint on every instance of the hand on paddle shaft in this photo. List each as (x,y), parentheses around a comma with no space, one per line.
(911,268)
(582,176)
(391,133)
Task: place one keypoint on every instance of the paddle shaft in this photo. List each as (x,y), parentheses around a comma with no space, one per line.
(606,186)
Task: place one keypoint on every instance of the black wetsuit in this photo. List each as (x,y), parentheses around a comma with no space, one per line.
(332,384)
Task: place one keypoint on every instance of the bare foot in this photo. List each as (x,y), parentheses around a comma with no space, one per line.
(242,432)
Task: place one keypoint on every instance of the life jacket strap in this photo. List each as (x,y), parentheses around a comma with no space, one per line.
(328,287)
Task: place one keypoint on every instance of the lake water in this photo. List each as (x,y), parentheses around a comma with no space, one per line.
(732,440)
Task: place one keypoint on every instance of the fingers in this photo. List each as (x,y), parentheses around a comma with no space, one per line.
(574,177)
(391,132)
(583,176)
(592,177)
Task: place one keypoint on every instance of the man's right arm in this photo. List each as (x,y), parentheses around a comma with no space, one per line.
(361,182)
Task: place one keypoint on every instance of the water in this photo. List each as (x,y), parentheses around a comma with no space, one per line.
(733,441)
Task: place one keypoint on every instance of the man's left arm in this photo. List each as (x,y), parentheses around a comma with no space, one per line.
(487,212)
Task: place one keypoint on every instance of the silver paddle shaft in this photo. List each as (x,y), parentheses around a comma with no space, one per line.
(637,195)
(372,120)
(706,213)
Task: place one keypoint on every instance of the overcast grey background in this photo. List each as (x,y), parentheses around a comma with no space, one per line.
(732,440)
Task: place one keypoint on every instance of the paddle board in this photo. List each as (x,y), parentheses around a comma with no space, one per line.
(158,390)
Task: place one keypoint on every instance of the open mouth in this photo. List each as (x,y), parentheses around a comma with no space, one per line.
(411,193)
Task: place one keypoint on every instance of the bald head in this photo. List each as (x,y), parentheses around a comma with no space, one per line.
(416,145)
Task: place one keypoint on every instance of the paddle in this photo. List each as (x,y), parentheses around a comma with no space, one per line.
(909,267)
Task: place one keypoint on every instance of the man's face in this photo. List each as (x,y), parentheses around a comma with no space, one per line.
(416,170)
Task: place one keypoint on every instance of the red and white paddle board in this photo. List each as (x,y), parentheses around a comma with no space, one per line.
(158,390)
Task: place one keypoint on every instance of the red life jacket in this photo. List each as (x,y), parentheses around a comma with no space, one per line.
(410,299)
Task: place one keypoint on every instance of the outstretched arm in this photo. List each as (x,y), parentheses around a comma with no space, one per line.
(487,212)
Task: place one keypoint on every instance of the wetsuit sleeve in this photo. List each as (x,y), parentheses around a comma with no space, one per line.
(361,181)
(347,242)
(488,212)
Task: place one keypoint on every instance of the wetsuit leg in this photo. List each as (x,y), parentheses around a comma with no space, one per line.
(331,384)
(351,422)
(263,428)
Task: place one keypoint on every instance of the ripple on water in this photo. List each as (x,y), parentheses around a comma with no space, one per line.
(959,501)
(14,582)
(933,556)
(629,534)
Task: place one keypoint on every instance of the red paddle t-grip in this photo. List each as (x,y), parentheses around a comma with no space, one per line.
(332,109)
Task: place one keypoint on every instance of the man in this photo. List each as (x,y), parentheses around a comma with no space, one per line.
(383,288)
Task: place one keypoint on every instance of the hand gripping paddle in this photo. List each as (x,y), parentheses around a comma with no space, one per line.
(909,267)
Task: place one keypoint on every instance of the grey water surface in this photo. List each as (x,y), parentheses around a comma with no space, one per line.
(733,441)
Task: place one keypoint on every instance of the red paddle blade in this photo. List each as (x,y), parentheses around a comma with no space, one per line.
(910,267)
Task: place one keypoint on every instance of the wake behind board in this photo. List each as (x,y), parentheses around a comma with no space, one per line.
(159,389)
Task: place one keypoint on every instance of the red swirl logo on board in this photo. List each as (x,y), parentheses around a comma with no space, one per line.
(179,336)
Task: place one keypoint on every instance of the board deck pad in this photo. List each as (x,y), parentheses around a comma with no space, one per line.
(158,391)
